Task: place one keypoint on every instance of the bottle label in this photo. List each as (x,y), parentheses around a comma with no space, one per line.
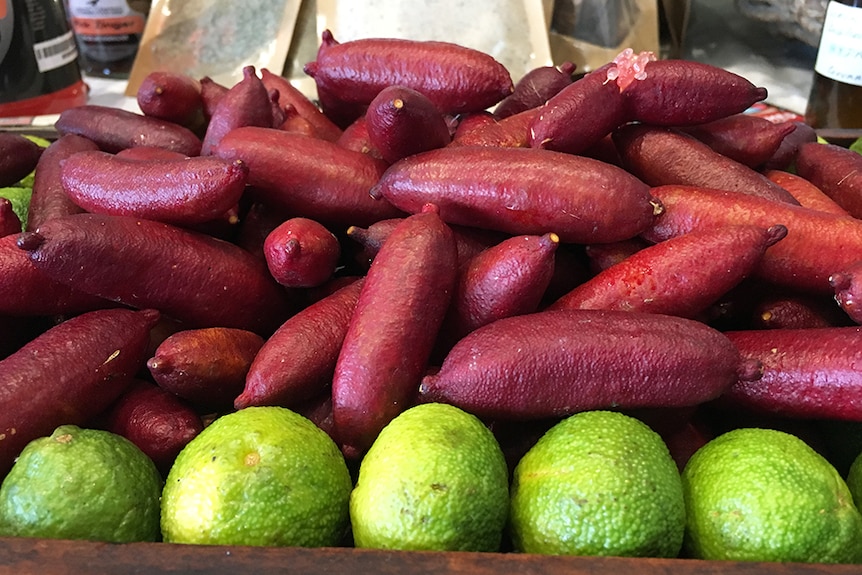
(92,19)
(56,52)
(840,54)
(120,26)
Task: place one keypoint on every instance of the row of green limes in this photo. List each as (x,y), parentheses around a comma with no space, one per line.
(597,483)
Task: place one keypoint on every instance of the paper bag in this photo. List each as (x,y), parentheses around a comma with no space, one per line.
(590,33)
(214,38)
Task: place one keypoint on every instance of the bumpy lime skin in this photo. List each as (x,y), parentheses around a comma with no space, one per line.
(261,476)
(434,479)
(598,483)
(757,494)
(854,481)
(81,484)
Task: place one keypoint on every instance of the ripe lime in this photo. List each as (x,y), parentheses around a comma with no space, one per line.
(258,476)
(598,483)
(434,479)
(757,494)
(81,484)
(854,481)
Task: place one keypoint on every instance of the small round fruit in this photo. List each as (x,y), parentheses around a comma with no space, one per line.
(81,484)
(598,483)
(434,479)
(301,253)
(261,476)
(764,495)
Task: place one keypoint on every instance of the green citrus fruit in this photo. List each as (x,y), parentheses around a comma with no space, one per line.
(434,479)
(598,483)
(258,476)
(764,495)
(81,484)
(854,481)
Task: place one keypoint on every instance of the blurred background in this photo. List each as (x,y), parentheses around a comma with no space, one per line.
(770,42)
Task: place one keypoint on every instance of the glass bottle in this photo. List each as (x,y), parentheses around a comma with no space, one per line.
(39,70)
(835,100)
(108,34)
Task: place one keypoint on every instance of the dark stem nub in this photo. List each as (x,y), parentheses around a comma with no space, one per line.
(30,241)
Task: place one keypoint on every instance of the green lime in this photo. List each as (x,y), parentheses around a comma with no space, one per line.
(764,495)
(598,483)
(854,481)
(434,479)
(38,140)
(81,484)
(258,476)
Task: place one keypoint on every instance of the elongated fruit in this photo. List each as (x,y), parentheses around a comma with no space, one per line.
(813,373)
(680,276)
(191,277)
(393,327)
(69,374)
(522,191)
(555,363)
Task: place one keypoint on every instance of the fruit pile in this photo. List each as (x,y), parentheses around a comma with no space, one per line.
(601,315)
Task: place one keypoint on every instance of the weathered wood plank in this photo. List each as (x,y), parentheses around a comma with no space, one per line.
(21,556)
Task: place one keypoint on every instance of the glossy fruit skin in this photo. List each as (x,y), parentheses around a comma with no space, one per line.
(805,192)
(27,292)
(9,221)
(301,253)
(49,199)
(155,420)
(535,88)
(836,171)
(662,156)
(114,129)
(507,279)
(683,93)
(207,366)
(512,131)
(180,191)
(171,96)
(402,122)
(847,285)
(246,103)
(744,138)
(18,157)
(681,276)
(570,122)
(288,95)
(309,176)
